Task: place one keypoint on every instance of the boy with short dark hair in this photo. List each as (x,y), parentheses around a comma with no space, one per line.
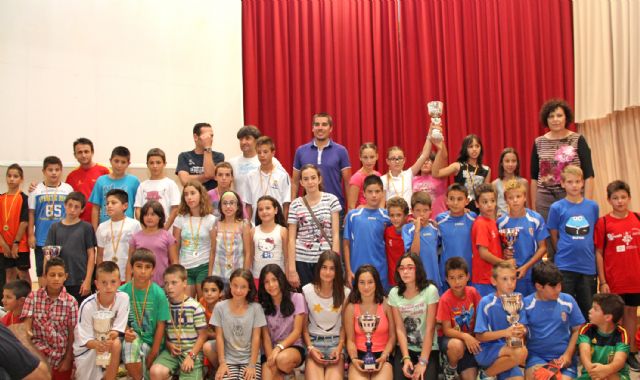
(50,315)
(457,314)
(212,288)
(485,240)
(13,296)
(117,179)
(603,344)
(554,320)
(158,188)
(14,220)
(398,210)
(363,231)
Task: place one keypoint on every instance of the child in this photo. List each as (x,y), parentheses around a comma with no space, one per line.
(186,333)
(238,321)
(508,169)
(457,314)
(195,234)
(148,314)
(13,296)
(602,343)
(86,346)
(454,228)
(468,169)
(78,242)
(571,222)
(50,315)
(117,179)
(363,230)
(436,187)
(269,179)
(224,177)
(495,357)
(485,240)
(355,193)
(531,244)
(14,220)
(158,188)
(46,207)
(155,238)
(286,313)
(414,303)
(554,320)
(212,288)
(232,238)
(268,237)
(398,210)
(617,250)
(421,236)
(114,235)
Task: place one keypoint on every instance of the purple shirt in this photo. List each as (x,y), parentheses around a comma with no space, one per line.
(159,244)
(280,327)
(331,160)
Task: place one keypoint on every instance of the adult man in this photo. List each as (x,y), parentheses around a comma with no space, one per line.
(16,362)
(331,157)
(199,164)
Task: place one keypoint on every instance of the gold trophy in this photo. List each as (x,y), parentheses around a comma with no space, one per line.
(512,304)
(369,323)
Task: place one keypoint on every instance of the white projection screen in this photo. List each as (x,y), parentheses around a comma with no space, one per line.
(138,73)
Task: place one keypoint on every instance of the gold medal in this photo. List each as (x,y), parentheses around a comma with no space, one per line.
(5,227)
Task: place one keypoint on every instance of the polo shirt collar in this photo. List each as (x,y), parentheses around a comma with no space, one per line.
(313,144)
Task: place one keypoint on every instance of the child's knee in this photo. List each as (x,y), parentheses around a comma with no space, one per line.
(518,354)
(116,348)
(159,372)
(455,348)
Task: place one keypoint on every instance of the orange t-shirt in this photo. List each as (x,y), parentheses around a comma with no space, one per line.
(207,312)
(14,209)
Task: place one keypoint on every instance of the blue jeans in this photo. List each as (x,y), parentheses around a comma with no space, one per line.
(580,286)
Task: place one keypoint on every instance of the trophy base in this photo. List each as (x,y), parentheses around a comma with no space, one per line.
(515,342)
(369,366)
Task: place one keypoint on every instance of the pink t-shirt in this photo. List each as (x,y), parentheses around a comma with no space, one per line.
(437,189)
(358,180)
(159,244)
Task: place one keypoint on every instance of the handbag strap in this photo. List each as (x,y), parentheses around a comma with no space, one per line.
(316,221)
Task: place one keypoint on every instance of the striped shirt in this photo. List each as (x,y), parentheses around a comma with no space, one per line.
(550,156)
(187,318)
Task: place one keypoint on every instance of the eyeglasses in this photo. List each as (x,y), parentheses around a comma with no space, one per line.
(396,159)
(404,268)
(229,203)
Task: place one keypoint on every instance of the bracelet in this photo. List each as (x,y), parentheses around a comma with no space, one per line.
(310,347)
(603,283)
(192,356)
(423,361)
(406,358)
(280,346)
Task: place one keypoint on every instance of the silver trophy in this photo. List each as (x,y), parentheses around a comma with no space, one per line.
(369,323)
(102,324)
(435,111)
(51,251)
(509,237)
(512,304)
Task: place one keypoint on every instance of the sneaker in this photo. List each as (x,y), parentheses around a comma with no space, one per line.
(450,373)
(632,361)
(483,376)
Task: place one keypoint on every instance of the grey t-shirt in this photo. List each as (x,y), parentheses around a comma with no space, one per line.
(75,240)
(237,330)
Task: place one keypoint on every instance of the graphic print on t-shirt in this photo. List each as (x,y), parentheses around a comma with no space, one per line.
(577,227)
(463,318)
(266,247)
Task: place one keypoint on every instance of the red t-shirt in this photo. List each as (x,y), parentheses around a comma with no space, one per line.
(461,312)
(83,180)
(394,246)
(484,233)
(10,319)
(621,251)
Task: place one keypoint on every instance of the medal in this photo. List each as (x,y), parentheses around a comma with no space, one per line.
(5,227)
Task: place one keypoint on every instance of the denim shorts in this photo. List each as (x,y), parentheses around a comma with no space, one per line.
(325,344)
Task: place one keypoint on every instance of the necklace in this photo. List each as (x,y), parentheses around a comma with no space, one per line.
(116,244)
(393,186)
(470,178)
(8,214)
(228,245)
(139,317)
(178,330)
(265,189)
(196,238)
(49,208)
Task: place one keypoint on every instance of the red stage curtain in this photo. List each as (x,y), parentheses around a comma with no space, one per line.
(374,65)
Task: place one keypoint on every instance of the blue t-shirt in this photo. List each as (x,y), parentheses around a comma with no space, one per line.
(531,229)
(550,324)
(331,160)
(428,250)
(364,228)
(492,317)
(47,204)
(128,183)
(575,223)
(455,237)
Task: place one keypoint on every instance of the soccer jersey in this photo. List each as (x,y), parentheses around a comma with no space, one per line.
(187,319)
(83,180)
(575,224)
(128,183)
(47,204)
(460,312)
(428,249)
(163,190)
(455,237)
(484,233)
(619,239)
(394,246)
(364,229)
(605,346)
(492,317)
(148,307)
(14,209)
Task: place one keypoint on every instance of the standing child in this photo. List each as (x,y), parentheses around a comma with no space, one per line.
(14,219)
(238,321)
(571,223)
(195,234)
(158,188)
(78,242)
(364,232)
(13,296)
(46,207)
(212,288)
(155,238)
(232,238)
(603,344)
(148,314)
(117,179)
(398,210)
(485,240)
(531,244)
(185,335)
(508,169)
(355,193)
(617,242)
(268,238)
(50,315)
(114,235)
(86,346)
(226,180)
(436,187)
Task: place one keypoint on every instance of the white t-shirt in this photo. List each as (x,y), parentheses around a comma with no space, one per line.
(195,239)
(277,184)
(242,166)
(398,186)
(83,332)
(268,249)
(324,319)
(163,190)
(114,238)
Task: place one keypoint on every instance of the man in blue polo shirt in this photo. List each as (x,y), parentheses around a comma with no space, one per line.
(331,157)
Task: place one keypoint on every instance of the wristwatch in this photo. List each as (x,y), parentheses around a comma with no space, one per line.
(208,150)
(193,356)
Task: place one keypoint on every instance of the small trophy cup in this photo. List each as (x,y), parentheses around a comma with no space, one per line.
(369,323)
(512,304)
(102,322)
(435,111)
(509,237)
(51,251)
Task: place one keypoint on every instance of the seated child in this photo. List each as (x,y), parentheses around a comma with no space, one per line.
(602,343)
(212,288)
(13,296)
(86,346)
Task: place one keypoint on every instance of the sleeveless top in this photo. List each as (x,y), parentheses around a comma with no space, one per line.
(229,251)
(379,337)
(268,249)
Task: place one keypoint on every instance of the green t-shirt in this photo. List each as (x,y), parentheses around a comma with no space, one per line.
(156,308)
(414,315)
(604,346)
(187,318)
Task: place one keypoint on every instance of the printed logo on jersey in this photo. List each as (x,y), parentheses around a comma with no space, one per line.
(577,227)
